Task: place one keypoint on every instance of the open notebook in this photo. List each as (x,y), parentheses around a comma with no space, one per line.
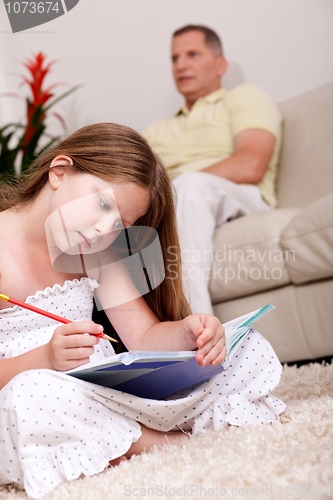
(155,375)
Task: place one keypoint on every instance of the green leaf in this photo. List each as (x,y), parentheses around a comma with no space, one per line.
(7,162)
(15,125)
(8,156)
(70,91)
(29,153)
(48,145)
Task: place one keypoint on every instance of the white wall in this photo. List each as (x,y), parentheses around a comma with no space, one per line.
(119,50)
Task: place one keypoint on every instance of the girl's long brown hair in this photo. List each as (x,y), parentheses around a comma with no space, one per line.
(119,154)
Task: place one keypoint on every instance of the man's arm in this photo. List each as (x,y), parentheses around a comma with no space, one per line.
(253,151)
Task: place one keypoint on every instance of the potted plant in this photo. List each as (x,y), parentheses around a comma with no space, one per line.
(26,138)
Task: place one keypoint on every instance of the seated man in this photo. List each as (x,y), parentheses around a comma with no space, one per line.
(221,150)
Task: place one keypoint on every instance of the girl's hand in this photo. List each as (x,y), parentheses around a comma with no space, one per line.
(69,347)
(206,333)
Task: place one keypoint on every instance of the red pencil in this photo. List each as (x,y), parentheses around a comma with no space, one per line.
(48,314)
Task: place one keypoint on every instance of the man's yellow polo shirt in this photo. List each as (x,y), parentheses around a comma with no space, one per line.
(193,140)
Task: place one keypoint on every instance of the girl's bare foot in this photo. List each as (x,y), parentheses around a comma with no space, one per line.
(150,438)
(117,461)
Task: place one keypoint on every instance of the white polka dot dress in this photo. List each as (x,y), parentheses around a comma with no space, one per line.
(55,427)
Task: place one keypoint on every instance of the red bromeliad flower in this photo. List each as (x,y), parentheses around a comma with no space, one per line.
(35,112)
(38,73)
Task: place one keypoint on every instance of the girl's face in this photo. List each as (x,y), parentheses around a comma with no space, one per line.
(88,213)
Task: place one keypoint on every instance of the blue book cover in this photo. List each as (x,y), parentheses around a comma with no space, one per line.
(154,374)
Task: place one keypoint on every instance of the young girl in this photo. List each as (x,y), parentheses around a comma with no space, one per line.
(73,203)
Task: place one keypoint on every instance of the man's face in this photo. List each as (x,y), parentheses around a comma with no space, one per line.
(196,69)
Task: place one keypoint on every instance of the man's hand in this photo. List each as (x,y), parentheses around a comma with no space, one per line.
(207,333)
(248,164)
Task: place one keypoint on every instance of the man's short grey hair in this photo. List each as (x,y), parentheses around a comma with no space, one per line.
(212,40)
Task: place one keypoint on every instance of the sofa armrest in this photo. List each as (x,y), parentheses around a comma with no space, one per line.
(248,257)
(309,236)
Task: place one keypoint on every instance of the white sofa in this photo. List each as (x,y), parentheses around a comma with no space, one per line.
(285,256)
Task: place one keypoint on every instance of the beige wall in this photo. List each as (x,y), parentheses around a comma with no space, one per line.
(119,49)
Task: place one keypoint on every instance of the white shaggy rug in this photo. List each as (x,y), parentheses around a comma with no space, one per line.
(290,458)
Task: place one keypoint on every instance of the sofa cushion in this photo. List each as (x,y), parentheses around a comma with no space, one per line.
(248,257)
(305,171)
(309,236)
